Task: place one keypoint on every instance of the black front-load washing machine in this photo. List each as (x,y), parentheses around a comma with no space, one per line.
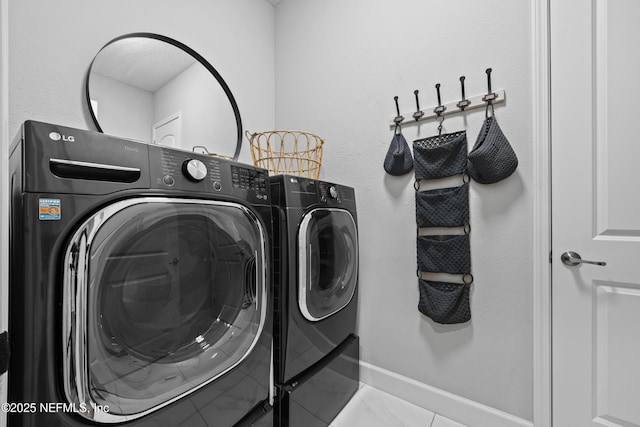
(139,285)
(316,298)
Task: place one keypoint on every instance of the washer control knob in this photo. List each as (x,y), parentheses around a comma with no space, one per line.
(333,192)
(194,170)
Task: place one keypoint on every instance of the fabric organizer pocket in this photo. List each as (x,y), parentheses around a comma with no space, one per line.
(443,302)
(444,207)
(444,254)
(440,156)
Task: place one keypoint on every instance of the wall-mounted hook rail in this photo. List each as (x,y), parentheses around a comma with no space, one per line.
(475,102)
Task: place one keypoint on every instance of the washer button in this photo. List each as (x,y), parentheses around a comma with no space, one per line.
(217,186)
(168,180)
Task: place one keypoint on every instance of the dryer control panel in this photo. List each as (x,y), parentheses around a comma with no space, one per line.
(334,193)
(294,191)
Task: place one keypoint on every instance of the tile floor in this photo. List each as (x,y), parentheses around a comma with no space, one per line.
(371,407)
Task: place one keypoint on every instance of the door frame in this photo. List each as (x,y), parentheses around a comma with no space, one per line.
(542,226)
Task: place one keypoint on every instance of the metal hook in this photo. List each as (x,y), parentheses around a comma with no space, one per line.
(398,118)
(419,113)
(439,110)
(490,96)
(464,103)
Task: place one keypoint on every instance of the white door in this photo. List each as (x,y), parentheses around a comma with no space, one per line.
(167,131)
(595,79)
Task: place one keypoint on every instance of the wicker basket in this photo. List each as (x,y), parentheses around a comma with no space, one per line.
(287,152)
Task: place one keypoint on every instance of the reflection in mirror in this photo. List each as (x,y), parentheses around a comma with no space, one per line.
(156,90)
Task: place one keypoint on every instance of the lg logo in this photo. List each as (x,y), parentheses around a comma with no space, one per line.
(55,136)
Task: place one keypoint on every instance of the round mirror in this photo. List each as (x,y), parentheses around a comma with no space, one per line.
(154,89)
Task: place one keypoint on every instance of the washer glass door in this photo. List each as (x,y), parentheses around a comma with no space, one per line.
(162,296)
(327,262)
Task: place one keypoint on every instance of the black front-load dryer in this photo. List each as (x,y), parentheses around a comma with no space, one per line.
(139,285)
(316,293)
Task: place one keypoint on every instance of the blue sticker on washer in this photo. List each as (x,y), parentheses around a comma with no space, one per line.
(49,209)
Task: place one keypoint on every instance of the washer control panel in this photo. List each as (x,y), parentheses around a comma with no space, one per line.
(173,169)
(248,179)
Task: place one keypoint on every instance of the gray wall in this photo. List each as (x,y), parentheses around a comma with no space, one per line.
(52,43)
(339,64)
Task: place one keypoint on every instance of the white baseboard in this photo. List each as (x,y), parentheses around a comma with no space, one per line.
(449,405)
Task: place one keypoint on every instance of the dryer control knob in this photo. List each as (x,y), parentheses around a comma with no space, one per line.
(194,170)
(333,192)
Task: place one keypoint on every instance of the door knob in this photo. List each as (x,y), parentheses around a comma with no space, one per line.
(573,258)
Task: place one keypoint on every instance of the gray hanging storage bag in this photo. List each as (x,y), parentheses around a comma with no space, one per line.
(435,157)
(443,302)
(444,254)
(398,160)
(443,207)
(440,156)
(492,158)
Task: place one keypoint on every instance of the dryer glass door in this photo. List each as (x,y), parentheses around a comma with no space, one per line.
(328,262)
(163,296)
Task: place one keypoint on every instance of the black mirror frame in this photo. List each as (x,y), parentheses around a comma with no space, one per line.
(189,51)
